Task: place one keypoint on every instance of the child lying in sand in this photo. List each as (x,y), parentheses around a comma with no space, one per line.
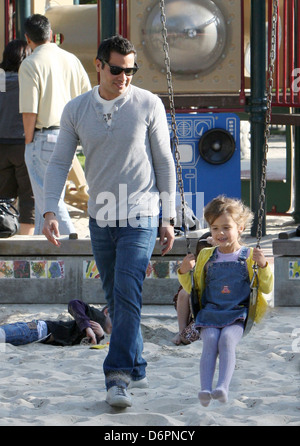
(88,322)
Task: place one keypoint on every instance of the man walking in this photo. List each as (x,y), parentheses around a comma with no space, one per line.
(129,170)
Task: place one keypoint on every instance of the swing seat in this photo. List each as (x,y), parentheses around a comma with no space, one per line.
(252,304)
(194,300)
(194,303)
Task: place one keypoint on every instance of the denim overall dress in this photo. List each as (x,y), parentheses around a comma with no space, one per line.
(226,295)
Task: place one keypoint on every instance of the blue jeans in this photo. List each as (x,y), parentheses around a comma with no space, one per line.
(37,156)
(20,333)
(122,255)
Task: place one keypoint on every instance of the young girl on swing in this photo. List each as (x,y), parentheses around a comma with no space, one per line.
(222,278)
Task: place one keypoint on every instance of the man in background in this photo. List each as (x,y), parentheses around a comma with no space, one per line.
(49,79)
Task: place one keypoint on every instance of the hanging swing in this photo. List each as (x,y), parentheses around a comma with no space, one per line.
(254,284)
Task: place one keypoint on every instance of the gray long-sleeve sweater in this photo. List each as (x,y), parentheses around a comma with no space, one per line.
(128,164)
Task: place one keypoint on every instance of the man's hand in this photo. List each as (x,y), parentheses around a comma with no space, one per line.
(50,229)
(91,335)
(167,237)
(93,330)
(29,121)
(97,329)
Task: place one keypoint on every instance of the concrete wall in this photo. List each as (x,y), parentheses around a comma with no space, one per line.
(287,282)
(287,272)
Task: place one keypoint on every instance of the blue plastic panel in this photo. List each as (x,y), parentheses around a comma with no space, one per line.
(203,181)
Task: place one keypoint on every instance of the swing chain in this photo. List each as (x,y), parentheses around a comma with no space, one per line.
(174,140)
(263,184)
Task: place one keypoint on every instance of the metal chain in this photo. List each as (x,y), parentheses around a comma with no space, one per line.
(263,184)
(174,140)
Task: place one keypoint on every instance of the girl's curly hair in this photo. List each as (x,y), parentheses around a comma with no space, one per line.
(240,213)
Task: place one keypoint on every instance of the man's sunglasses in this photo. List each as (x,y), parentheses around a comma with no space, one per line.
(115,70)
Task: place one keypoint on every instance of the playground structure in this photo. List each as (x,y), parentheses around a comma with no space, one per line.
(224,87)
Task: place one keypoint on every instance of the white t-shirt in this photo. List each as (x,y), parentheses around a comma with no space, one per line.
(108,106)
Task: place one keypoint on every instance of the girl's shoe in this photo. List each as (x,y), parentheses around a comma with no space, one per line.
(220,395)
(204,397)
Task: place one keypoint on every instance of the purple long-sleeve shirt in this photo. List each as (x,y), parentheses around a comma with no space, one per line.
(72,332)
(79,309)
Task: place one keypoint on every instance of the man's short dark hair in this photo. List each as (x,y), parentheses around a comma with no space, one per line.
(117,44)
(38,28)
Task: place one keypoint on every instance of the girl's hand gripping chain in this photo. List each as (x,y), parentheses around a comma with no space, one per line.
(187,264)
(259,258)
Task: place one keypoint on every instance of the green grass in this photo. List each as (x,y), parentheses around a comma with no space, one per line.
(81,159)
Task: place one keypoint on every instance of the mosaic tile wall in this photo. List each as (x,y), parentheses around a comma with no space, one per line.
(155,270)
(294,270)
(55,269)
(32,269)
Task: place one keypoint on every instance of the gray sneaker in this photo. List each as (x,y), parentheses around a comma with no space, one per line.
(117,396)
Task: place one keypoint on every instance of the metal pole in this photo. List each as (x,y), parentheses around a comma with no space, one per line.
(23,10)
(6,22)
(257,104)
(108,18)
(296,213)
